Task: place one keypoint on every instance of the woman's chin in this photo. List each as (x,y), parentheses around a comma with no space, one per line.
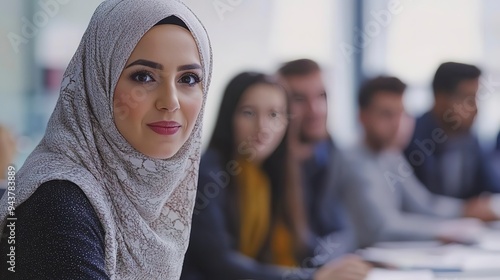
(161,154)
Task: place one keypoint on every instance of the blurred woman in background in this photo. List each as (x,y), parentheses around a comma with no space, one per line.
(249,220)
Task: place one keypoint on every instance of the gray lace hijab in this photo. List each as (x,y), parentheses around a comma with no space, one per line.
(144,204)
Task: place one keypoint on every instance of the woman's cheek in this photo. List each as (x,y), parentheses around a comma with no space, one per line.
(133,104)
(121,110)
(192,107)
(244,130)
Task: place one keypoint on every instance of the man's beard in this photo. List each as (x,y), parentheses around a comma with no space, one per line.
(305,139)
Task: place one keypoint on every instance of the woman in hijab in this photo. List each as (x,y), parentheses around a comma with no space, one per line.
(249,220)
(109,191)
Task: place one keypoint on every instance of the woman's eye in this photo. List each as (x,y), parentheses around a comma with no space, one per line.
(247,113)
(143,77)
(190,79)
(275,114)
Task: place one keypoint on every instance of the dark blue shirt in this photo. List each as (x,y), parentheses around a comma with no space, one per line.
(57,236)
(448,165)
(325,180)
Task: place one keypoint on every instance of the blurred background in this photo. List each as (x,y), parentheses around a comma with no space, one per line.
(352,40)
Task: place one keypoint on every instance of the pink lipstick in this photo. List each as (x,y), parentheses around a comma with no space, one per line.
(165,127)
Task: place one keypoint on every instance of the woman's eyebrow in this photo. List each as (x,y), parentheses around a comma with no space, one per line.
(156,65)
(147,63)
(189,67)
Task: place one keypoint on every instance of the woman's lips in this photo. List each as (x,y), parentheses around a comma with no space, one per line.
(165,127)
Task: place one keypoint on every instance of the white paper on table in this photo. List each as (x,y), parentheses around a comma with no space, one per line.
(490,241)
(429,258)
(479,262)
(384,274)
(408,244)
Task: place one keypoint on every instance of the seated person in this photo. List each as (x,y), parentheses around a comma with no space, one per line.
(249,220)
(390,203)
(444,153)
(323,168)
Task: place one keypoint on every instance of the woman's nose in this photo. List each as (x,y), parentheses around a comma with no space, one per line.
(168,99)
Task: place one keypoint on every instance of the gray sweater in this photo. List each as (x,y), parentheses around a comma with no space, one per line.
(388,203)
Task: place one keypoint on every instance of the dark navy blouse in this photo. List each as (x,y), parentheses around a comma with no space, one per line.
(57,235)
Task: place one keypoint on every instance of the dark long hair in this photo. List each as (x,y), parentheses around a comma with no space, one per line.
(275,166)
(223,137)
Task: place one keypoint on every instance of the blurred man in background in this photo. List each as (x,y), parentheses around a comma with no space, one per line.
(443,151)
(389,203)
(324,173)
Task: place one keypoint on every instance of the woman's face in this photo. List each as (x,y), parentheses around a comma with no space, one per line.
(159,93)
(260,121)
